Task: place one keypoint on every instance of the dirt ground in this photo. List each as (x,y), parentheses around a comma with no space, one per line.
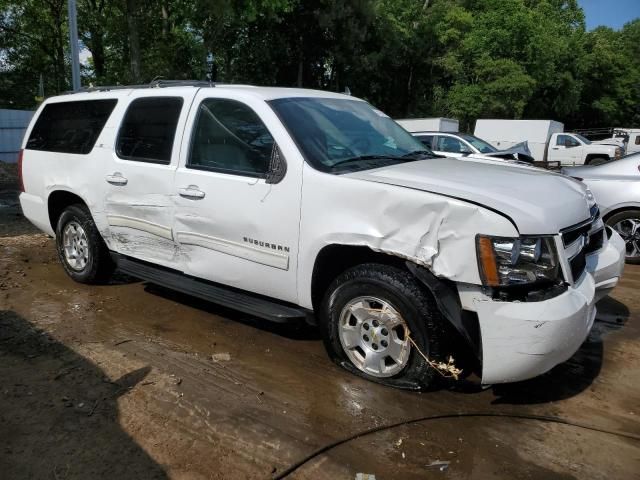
(133,381)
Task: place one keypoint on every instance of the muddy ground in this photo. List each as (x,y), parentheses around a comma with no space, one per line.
(133,381)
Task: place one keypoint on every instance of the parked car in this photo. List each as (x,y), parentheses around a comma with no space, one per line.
(616,187)
(547,141)
(462,145)
(300,205)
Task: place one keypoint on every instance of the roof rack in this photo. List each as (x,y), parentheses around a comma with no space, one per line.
(153,84)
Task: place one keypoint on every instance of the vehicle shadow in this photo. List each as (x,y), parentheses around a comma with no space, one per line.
(59,414)
(576,374)
(297,330)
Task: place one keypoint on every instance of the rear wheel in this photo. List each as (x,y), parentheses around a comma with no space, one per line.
(368,318)
(627,224)
(81,249)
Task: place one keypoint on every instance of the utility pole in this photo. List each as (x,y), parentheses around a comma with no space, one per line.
(73,40)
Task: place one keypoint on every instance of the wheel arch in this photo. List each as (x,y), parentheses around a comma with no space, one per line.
(58,201)
(619,209)
(334,259)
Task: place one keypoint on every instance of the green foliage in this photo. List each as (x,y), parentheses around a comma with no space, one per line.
(462,58)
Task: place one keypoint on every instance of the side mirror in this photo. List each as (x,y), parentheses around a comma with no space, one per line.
(465,151)
(277,166)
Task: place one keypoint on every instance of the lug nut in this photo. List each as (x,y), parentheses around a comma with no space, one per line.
(375,323)
(365,338)
(384,343)
(384,332)
(374,346)
(366,326)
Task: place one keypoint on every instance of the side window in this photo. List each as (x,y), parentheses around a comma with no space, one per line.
(450,144)
(70,127)
(567,141)
(637,139)
(229,137)
(426,140)
(148,129)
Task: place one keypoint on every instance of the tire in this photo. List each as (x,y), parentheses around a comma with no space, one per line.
(596,161)
(623,223)
(86,257)
(399,293)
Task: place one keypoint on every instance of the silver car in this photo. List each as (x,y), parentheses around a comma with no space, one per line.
(616,186)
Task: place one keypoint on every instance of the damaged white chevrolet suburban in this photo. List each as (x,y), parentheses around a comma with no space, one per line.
(291,204)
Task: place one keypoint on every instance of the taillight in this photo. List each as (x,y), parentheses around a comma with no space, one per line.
(20,178)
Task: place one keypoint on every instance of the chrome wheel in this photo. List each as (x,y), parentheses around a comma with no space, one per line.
(374,336)
(76,246)
(629,230)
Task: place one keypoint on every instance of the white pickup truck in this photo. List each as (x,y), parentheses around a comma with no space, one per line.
(547,141)
(300,205)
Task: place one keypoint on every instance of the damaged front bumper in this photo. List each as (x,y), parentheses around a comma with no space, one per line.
(521,340)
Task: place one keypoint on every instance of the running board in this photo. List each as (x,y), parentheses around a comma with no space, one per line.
(222,295)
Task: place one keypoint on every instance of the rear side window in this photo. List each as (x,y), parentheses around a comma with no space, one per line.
(637,139)
(148,129)
(70,127)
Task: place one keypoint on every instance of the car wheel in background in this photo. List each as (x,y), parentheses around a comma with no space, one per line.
(81,249)
(367,316)
(627,224)
(596,161)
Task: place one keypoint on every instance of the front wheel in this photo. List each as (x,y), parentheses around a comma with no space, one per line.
(80,247)
(627,224)
(373,316)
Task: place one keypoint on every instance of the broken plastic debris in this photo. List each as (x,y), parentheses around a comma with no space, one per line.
(221,357)
(365,476)
(441,465)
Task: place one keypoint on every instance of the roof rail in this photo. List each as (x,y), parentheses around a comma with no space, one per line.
(152,84)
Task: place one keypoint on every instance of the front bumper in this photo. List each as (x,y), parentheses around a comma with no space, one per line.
(521,340)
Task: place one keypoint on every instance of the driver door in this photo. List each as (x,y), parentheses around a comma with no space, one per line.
(232,226)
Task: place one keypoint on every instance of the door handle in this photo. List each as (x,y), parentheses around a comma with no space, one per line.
(555,148)
(116,179)
(191,191)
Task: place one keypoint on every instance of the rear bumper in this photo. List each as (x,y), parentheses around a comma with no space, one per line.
(524,340)
(36,211)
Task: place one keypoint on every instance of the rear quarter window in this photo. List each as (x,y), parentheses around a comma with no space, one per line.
(70,127)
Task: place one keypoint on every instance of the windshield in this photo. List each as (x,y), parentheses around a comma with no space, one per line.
(481,145)
(338,135)
(582,139)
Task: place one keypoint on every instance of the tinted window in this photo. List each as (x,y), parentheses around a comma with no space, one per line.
(450,144)
(230,137)
(637,139)
(70,127)
(425,139)
(148,129)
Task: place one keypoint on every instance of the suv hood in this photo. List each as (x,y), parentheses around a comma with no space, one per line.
(537,201)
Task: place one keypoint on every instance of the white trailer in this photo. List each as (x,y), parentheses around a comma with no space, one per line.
(546,139)
(439,124)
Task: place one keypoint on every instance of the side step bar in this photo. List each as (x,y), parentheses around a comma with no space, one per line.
(251,304)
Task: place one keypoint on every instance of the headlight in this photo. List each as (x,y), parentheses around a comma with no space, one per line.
(618,152)
(505,261)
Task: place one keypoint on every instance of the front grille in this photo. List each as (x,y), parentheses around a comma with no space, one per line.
(571,236)
(578,265)
(596,241)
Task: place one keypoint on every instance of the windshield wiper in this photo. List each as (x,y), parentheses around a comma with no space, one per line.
(416,153)
(367,157)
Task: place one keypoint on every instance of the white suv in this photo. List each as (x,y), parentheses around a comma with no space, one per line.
(292,204)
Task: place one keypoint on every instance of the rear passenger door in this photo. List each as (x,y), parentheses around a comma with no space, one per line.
(139,204)
(231,225)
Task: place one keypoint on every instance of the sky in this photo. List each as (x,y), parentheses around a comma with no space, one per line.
(612,13)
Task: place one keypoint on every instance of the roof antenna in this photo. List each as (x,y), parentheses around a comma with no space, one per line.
(347,91)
